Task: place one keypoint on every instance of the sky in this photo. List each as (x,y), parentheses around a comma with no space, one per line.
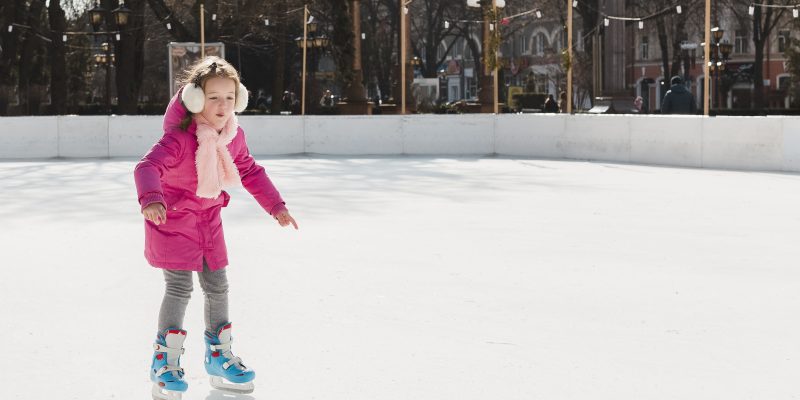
(421,278)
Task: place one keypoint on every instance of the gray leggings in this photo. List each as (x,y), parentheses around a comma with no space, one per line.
(179,291)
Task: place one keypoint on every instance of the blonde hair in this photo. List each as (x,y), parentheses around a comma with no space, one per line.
(203,70)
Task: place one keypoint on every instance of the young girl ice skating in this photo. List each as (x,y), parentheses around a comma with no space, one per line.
(180,184)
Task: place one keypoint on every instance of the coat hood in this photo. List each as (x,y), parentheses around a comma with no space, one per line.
(680,88)
(175,114)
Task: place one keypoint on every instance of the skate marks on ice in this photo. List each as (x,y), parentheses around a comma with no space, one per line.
(215,394)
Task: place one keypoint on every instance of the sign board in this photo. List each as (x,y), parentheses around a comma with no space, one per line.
(183,55)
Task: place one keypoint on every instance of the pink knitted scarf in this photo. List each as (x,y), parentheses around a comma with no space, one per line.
(215,167)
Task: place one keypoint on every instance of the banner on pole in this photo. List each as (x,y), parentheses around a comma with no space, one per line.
(182,55)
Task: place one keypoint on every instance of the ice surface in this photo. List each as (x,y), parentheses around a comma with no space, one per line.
(422,278)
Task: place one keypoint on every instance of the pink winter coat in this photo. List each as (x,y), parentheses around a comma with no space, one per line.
(167,174)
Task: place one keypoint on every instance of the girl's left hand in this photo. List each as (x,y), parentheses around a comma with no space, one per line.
(285,219)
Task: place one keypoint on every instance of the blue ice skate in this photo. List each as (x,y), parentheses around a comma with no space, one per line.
(227,371)
(166,372)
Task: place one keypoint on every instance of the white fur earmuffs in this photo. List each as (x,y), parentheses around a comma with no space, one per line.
(194,99)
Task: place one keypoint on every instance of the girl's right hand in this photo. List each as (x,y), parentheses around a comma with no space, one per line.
(155,213)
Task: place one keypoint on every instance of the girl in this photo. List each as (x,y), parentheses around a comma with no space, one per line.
(180,183)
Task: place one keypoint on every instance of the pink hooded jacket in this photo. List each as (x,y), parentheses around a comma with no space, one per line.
(168,174)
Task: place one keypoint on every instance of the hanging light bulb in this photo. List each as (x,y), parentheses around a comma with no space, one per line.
(363,35)
(679,9)
(539,14)
(169,26)
(10,28)
(64,38)
(641,24)
(213,17)
(574,3)
(118,37)
(446,25)
(751,10)
(266,22)
(606,21)
(795,12)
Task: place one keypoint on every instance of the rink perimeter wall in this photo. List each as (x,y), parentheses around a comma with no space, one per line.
(742,143)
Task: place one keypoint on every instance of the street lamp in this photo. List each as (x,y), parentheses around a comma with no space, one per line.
(491,27)
(121,15)
(96,16)
(309,42)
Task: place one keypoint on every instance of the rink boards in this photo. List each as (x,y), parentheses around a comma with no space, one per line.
(742,143)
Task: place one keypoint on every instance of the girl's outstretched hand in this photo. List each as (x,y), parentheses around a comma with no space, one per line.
(285,219)
(155,213)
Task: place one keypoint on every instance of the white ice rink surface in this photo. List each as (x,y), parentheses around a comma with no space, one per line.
(422,279)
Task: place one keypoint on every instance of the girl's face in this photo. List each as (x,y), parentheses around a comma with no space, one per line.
(220,99)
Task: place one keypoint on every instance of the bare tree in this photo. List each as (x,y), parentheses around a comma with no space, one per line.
(764,20)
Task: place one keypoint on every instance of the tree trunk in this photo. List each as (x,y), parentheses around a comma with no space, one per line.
(130,59)
(759,33)
(26,61)
(12,12)
(280,60)
(58,61)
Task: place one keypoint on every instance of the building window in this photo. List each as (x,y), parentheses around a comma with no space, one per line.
(740,46)
(538,44)
(784,82)
(644,48)
(783,40)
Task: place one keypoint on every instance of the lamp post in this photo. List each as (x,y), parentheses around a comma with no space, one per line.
(305,43)
(403,52)
(491,34)
(716,33)
(569,57)
(725,50)
(706,51)
(97,15)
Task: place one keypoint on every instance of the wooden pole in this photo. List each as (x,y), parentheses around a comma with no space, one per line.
(496,67)
(305,49)
(403,57)
(569,54)
(202,33)
(707,59)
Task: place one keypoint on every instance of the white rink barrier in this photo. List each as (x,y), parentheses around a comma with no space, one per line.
(743,143)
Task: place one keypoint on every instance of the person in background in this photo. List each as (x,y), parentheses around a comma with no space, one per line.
(679,99)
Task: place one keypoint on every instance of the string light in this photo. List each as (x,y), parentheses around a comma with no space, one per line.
(539,14)
(751,10)
(118,37)
(266,22)
(446,24)
(64,38)
(213,17)
(795,12)
(574,3)
(679,9)
(169,26)
(641,24)
(10,28)
(606,21)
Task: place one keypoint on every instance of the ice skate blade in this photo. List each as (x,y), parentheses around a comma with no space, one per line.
(161,394)
(242,388)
